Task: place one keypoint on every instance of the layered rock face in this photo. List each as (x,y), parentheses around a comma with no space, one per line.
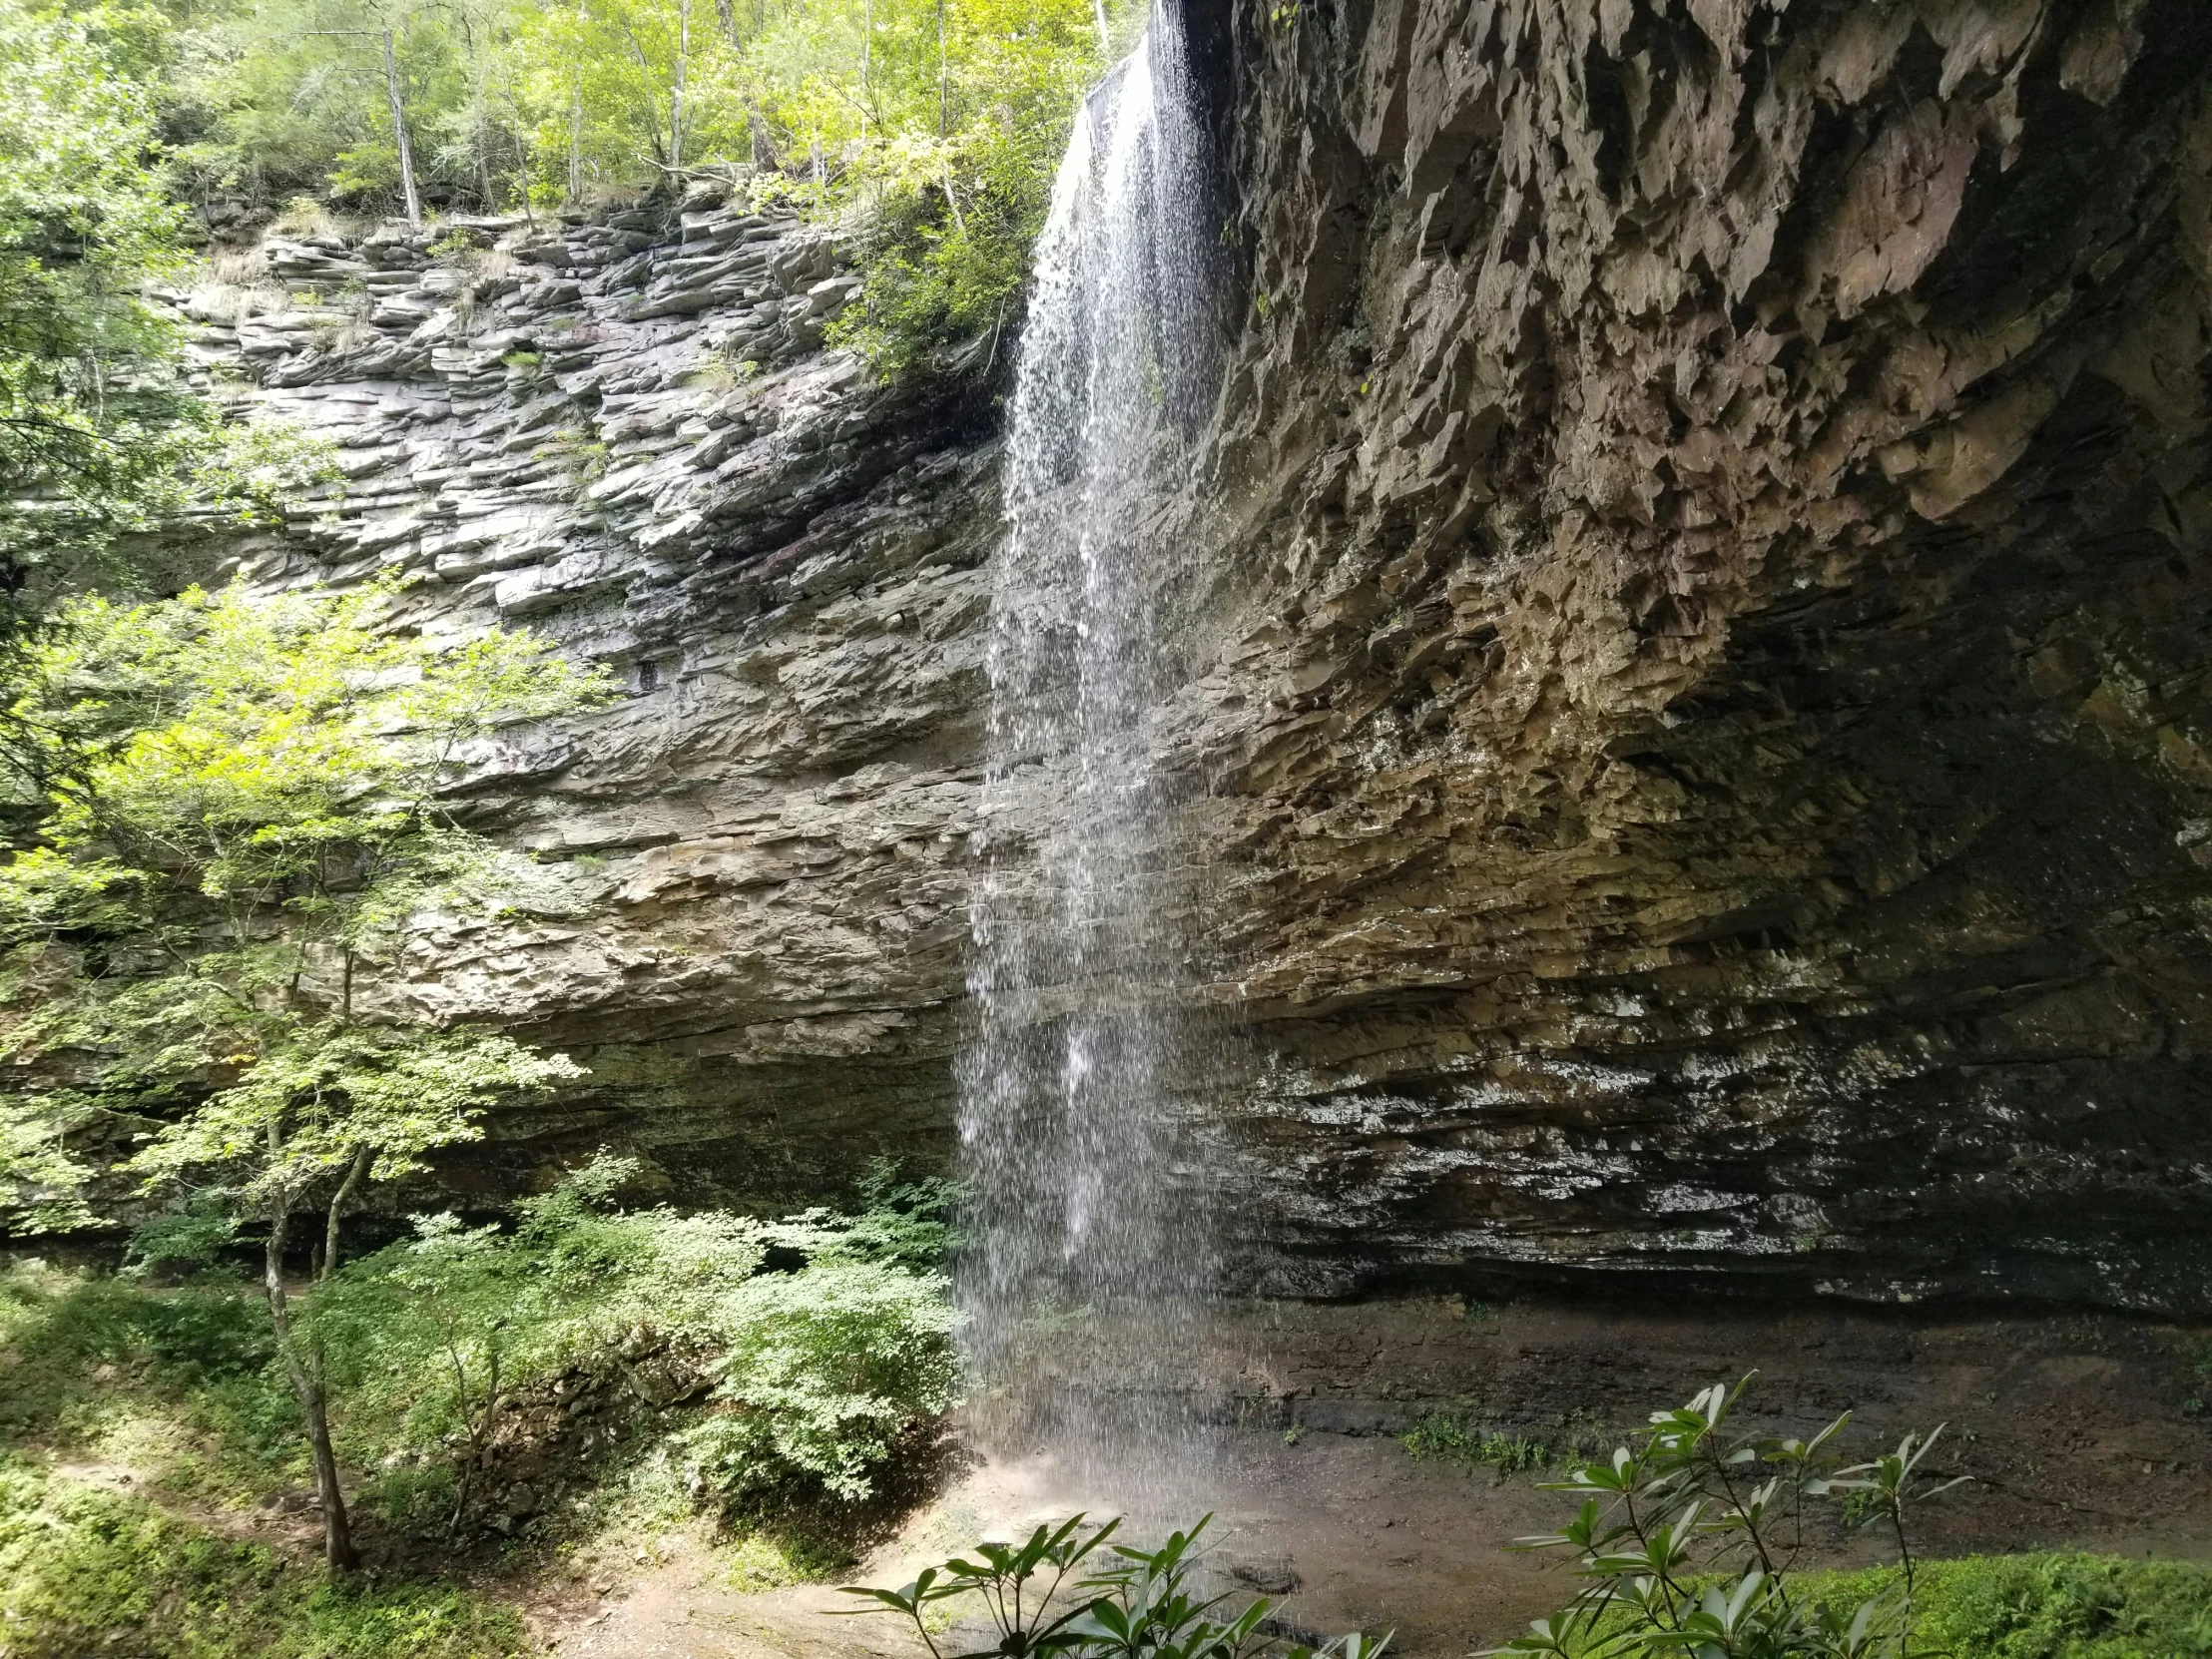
(1719,555)
(1704,556)
(626,433)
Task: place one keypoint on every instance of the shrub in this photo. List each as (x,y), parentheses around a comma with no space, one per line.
(1687,1539)
(1125,1602)
(463,1350)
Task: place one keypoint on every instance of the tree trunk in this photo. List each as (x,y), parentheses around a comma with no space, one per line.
(306,1385)
(763,144)
(400,135)
(346,1188)
(945,75)
(675,93)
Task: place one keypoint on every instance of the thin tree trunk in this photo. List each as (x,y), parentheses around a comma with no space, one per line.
(867,40)
(944,78)
(1105,40)
(675,93)
(337,1527)
(576,143)
(726,13)
(400,134)
(522,169)
(346,1188)
(652,104)
(576,112)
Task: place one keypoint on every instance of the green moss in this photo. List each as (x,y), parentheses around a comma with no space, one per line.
(84,1569)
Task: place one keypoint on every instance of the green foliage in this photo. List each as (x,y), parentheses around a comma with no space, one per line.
(1448,1438)
(2056,1606)
(958,206)
(42,1182)
(515,101)
(76,1348)
(803,1377)
(100,436)
(933,124)
(1687,1540)
(1070,1591)
(85,1570)
(238,830)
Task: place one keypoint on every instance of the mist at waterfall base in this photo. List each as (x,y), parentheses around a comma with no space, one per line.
(1089,1253)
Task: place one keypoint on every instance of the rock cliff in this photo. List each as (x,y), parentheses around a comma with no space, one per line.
(1719,562)
(625,432)
(1705,556)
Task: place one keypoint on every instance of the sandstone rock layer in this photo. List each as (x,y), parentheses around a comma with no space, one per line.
(1721,580)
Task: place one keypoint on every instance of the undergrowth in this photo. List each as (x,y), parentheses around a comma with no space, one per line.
(88,1570)
(552,1397)
(2044,1605)
(736,1364)
(84,1358)
(1448,1438)
(2047,1606)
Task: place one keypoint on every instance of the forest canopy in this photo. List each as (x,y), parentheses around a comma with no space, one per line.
(507,102)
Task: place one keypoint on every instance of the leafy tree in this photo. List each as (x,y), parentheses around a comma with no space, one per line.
(942,120)
(100,436)
(237,824)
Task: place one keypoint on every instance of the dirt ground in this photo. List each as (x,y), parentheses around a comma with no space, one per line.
(2077,1433)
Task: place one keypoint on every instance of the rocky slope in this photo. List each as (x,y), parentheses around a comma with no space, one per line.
(1706,548)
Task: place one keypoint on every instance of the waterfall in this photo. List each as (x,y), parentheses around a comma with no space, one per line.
(1089,1257)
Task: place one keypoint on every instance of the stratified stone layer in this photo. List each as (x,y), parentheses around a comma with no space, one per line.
(626,433)
(1722,551)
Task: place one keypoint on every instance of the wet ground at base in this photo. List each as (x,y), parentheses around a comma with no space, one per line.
(2077,1433)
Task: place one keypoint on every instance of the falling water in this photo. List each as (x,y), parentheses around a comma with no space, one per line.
(1090,1257)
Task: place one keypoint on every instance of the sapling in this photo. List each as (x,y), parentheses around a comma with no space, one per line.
(1689,1538)
(243,830)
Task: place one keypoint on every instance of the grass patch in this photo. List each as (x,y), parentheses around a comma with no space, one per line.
(84,1569)
(2047,1606)
(1447,1437)
(85,1357)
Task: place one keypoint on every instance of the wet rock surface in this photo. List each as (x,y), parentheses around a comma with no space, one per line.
(1704,557)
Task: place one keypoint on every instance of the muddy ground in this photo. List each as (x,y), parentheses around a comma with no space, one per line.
(2085,1432)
